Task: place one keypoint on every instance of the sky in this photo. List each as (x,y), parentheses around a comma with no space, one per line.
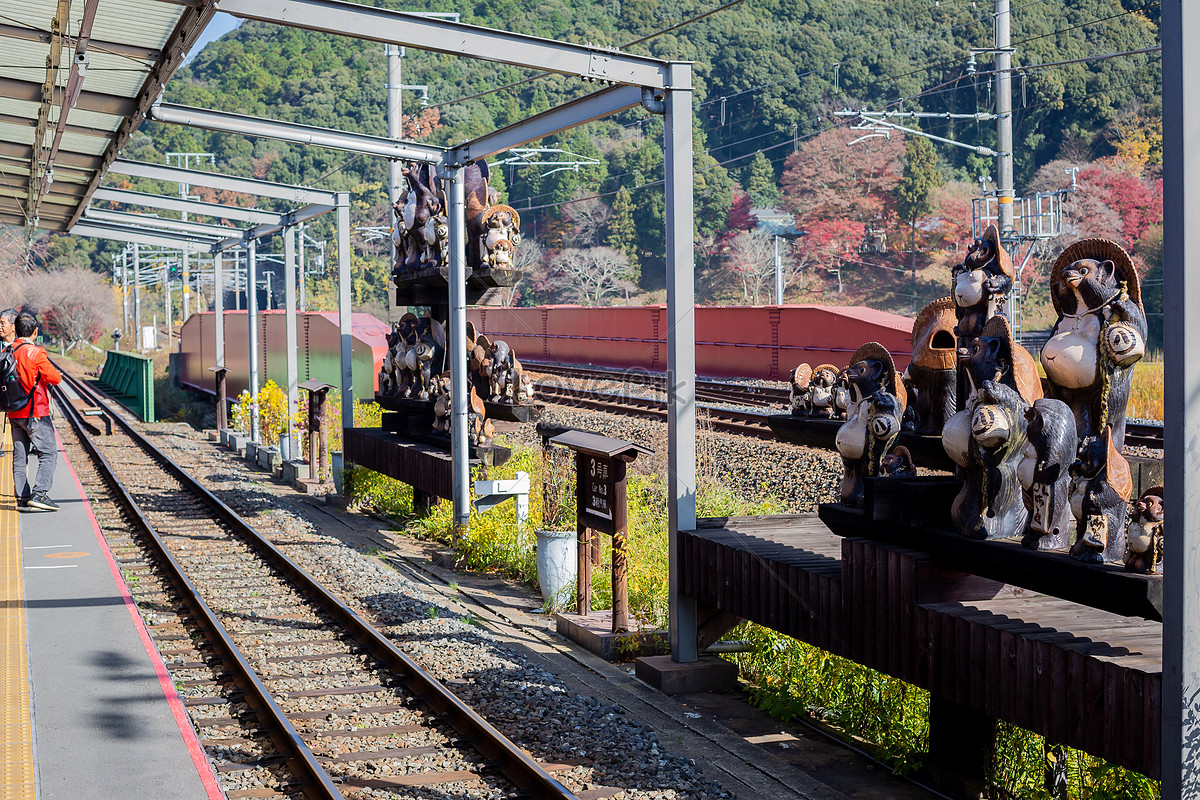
(220,25)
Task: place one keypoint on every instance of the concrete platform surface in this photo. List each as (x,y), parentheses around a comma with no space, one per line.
(107,722)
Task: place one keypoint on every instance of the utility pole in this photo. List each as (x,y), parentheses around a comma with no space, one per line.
(167,298)
(1004,134)
(137,295)
(395,131)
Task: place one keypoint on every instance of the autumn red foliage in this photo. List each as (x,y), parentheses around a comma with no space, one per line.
(831,179)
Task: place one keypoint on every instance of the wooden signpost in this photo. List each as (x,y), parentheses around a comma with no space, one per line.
(320,466)
(600,465)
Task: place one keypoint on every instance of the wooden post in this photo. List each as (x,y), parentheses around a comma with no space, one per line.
(583,578)
(314,435)
(620,583)
(222,400)
(323,438)
(962,741)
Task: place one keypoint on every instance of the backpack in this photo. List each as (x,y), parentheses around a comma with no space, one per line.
(13,396)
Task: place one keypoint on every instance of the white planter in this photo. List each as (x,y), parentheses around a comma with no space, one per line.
(557,566)
(336,463)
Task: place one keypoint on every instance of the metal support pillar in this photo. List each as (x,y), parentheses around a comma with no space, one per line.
(219,335)
(395,131)
(343,243)
(167,299)
(778,274)
(1181,308)
(137,296)
(1004,135)
(125,292)
(681,353)
(452,178)
(252,327)
(289,302)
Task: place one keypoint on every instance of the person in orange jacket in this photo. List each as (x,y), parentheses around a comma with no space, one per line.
(31,425)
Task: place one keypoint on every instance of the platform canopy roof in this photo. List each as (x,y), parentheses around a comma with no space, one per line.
(76,79)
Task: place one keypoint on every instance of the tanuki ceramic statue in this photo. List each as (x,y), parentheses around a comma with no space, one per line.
(898,464)
(1144,536)
(1043,471)
(800,391)
(1101,486)
(1100,335)
(986,438)
(981,283)
(822,386)
(932,372)
(873,415)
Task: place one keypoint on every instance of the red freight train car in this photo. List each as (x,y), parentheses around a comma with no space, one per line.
(731,341)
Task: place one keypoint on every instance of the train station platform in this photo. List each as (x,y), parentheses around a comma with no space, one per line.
(87,709)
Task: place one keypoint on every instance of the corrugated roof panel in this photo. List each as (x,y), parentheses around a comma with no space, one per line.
(127,55)
(136,22)
(21,134)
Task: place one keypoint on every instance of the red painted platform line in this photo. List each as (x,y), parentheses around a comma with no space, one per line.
(209,778)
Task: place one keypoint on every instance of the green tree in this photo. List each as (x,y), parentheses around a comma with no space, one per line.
(914,193)
(760,182)
(622,230)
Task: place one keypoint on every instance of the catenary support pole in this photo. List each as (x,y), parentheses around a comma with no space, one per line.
(395,131)
(778,274)
(219,335)
(137,296)
(1180,26)
(453,178)
(1004,135)
(344,327)
(252,327)
(289,303)
(681,353)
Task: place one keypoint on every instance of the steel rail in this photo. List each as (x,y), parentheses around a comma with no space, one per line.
(513,762)
(728,420)
(299,758)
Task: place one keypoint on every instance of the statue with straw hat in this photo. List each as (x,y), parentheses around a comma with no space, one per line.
(1099,336)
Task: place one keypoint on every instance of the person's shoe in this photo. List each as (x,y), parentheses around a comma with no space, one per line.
(22,503)
(43,502)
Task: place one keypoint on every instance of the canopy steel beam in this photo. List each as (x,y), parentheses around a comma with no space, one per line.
(283,222)
(569,115)
(229,183)
(296,133)
(176,225)
(124,233)
(31,91)
(253,216)
(454,38)
(116,48)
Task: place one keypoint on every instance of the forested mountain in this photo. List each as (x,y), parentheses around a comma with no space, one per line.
(769,74)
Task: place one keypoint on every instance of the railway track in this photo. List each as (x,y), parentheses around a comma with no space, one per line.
(721,418)
(718,396)
(285,682)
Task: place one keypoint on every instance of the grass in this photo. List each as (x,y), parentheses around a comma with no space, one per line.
(787,678)
(1146,393)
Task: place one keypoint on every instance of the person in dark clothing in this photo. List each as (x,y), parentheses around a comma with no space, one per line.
(31,425)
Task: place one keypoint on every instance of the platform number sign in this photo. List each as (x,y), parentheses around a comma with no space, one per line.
(601,495)
(599,489)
